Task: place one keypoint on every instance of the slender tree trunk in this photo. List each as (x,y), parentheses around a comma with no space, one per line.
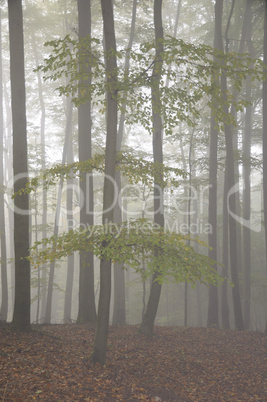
(213,320)
(87,308)
(43,163)
(247,186)
(232,222)
(196,247)
(247,35)
(70,264)
(153,301)
(119,309)
(231,204)
(188,195)
(264,139)
(101,336)
(235,141)
(21,316)
(4,283)
(245,38)
(247,210)
(50,287)
(225,256)
(8,163)
(35,235)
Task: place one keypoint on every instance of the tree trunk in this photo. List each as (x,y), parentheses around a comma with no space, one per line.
(43,162)
(225,256)
(50,287)
(10,215)
(21,316)
(247,171)
(153,301)
(232,200)
(232,222)
(247,207)
(87,308)
(247,33)
(119,308)
(4,283)
(235,143)
(100,345)
(213,320)
(264,139)
(70,264)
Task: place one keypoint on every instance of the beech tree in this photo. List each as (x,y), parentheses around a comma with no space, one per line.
(4,285)
(213,319)
(21,315)
(119,310)
(264,142)
(87,309)
(155,290)
(99,354)
(231,180)
(51,277)
(247,134)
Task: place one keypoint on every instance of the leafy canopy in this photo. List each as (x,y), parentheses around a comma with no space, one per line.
(129,243)
(192,71)
(193,75)
(132,241)
(136,169)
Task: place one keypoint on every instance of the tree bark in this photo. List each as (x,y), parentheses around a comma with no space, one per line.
(232,181)
(154,296)
(232,222)
(87,308)
(50,287)
(101,336)
(213,320)
(264,136)
(247,34)
(70,263)
(21,316)
(119,307)
(4,283)
(225,256)
(43,162)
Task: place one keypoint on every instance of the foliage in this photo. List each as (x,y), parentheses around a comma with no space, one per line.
(192,72)
(129,243)
(136,169)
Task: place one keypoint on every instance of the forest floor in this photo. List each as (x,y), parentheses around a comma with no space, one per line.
(177,364)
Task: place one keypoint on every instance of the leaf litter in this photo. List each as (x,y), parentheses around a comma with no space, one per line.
(52,363)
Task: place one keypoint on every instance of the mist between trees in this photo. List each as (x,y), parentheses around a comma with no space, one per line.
(141,166)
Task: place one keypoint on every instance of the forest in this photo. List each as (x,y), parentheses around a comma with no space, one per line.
(133,200)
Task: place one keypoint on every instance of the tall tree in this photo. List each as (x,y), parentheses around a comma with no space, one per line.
(21,316)
(8,176)
(155,290)
(50,287)
(87,308)
(100,345)
(225,256)
(119,310)
(213,169)
(43,165)
(232,184)
(247,34)
(70,263)
(4,283)
(264,139)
